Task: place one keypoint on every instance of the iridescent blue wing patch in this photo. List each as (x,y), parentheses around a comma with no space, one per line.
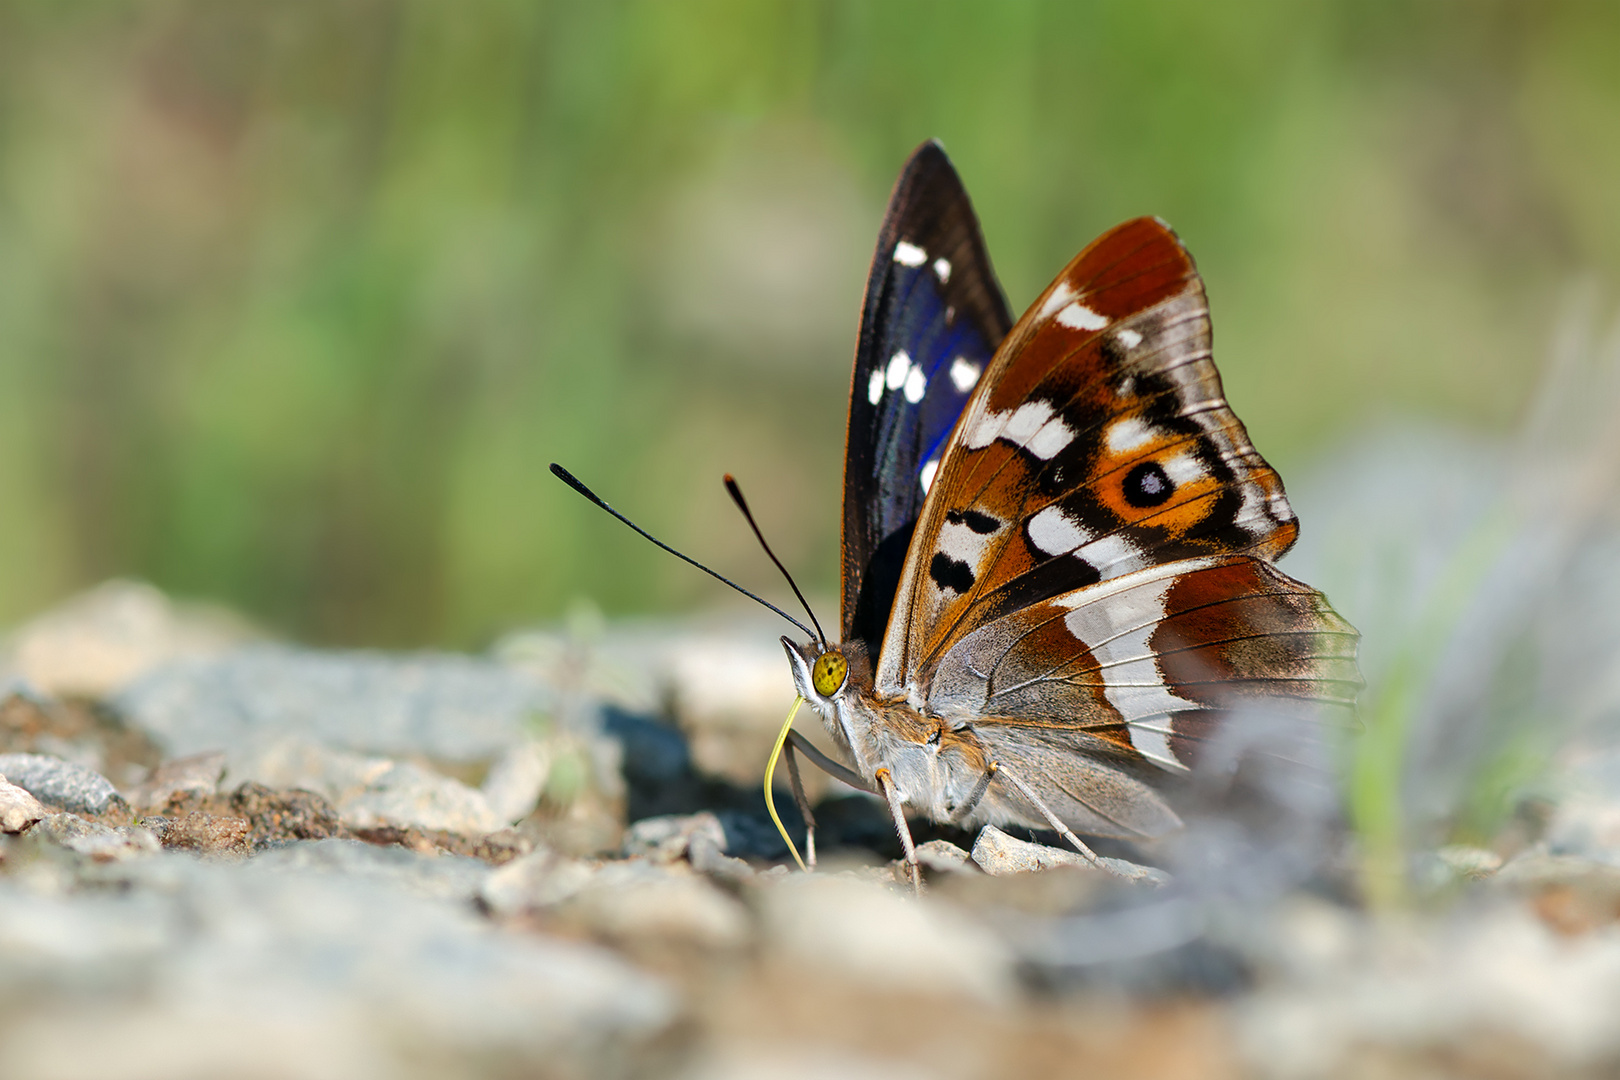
(931,322)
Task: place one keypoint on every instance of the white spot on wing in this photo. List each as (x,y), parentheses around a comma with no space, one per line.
(926,476)
(1055,532)
(1033,426)
(1112,555)
(1182,469)
(909,254)
(874,386)
(963,544)
(964,373)
(1079,317)
(1060,296)
(899,364)
(942,269)
(1128,434)
(916,383)
(1129,338)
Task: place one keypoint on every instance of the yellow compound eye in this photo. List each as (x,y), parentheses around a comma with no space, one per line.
(829,673)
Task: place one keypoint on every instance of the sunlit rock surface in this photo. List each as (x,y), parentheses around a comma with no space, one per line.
(258,860)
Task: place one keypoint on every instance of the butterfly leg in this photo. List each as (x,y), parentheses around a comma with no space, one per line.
(1112,866)
(804,806)
(827,764)
(892,794)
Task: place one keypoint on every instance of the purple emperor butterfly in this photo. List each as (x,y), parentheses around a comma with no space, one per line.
(1058,542)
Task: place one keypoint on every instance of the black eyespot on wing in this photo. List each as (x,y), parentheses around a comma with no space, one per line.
(983,524)
(949,573)
(1147,485)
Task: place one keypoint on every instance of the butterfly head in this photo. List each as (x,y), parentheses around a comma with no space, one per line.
(821,671)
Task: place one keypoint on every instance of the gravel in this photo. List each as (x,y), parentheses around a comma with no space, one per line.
(318,864)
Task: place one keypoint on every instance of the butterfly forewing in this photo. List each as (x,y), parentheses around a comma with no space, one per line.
(932,319)
(1094,567)
(1099,444)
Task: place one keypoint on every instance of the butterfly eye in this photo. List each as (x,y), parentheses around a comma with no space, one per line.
(829,673)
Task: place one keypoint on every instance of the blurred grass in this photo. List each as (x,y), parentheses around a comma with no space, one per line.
(1394,705)
(297,300)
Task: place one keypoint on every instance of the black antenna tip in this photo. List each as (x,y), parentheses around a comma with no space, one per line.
(566,477)
(574,482)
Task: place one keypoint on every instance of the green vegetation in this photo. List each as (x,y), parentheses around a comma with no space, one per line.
(298,300)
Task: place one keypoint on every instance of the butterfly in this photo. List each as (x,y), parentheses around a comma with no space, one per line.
(1058,577)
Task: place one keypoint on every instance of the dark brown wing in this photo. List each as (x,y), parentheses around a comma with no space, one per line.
(932,319)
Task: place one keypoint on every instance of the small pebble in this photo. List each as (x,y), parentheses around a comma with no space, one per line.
(60,783)
(102,843)
(18,808)
(946,857)
(198,775)
(1000,854)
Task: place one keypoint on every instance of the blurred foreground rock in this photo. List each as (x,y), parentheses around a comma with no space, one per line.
(253,860)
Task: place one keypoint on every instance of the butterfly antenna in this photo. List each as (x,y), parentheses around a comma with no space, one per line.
(568,478)
(742,504)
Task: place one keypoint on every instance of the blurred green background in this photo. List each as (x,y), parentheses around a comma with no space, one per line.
(297,300)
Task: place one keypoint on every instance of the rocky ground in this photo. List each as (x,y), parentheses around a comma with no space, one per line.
(224,857)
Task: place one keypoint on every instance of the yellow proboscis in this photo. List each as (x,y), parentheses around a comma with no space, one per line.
(770,771)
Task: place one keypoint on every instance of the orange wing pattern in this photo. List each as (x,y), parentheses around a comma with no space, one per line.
(1099,443)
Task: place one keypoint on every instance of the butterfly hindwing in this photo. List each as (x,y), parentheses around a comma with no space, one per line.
(1146,663)
(932,319)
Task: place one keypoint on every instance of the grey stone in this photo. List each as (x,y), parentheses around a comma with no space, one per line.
(723,677)
(456,708)
(101,640)
(540,879)
(94,839)
(370,791)
(802,1063)
(639,903)
(517,780)
(1423,989)
(59,783)
(708,857)
(945,856)
(875,935)
(270,969)
(700,838)
(54,944)
(442,877)
(408,794)
(198,774)
(999,854)
(667,838)
(18,808)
